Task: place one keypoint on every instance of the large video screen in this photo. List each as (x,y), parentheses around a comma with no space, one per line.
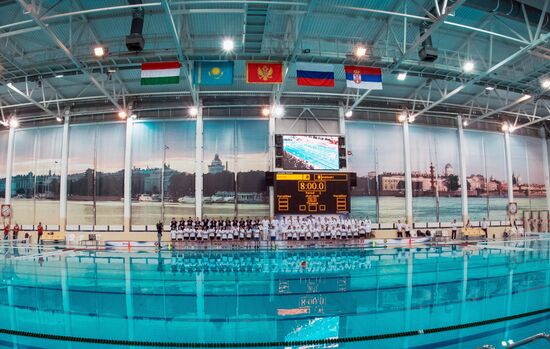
(310,152)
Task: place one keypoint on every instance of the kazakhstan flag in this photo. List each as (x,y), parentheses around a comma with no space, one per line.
(213,73)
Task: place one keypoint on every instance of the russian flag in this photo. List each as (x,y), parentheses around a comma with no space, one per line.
(313,74)
(363,77)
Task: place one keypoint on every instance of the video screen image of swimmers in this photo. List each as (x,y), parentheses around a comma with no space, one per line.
(310,152)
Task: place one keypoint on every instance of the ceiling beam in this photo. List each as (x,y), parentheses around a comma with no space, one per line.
(419,40)
(28,98)
(480,76)
(518,101)
(32,11)
(297,44)
(184,61)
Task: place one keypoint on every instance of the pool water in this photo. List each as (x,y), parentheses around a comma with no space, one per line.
(275,299)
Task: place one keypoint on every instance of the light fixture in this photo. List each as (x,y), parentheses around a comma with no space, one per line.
(193,111)
(59,119)
(360,51)
(465,122)
(468,66)
(402,76)
(10,85)
(266,111)
(503,343)
(122,114)
(111,70)
(412,118)
(348,113)
(525,97)
(545,84)
(228,45)
(59,75)
(402,117)
(4,123)
(278,111)
(99,51)
(14,123)
(505,126)
(489,88)
(133,116)
(510,341)
(511,128)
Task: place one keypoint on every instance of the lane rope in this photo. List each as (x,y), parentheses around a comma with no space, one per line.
(123,342)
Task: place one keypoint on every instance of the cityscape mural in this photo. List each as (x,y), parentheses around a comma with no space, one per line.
(235,159)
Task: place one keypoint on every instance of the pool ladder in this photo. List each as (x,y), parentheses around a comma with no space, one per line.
(522,342)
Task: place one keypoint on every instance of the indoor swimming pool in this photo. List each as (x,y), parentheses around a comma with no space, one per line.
(428,296)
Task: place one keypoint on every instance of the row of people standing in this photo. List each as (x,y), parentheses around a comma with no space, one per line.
(16,229)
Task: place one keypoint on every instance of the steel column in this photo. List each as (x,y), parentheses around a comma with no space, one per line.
(408,175)
(509,166)
(546,169)
(9,165)
(128,177)
(64,174)
(198,163)
(462,162)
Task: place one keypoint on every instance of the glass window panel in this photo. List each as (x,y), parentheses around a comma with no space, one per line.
(252,163)
(147,158)
(219,168)
(48,174)
(23,175)
(4,135)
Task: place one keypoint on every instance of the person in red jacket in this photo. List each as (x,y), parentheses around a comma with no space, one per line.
(6,231)
(40,230)
(16,231)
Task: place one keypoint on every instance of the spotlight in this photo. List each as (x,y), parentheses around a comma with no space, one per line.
(193,111)
(99,51)
(111,70)
(511,128)
(505,126)
(525,97)
(122,114)
(360,51)
(401,76)
(412,118)
(266,111)
(489,88)
(59,119)
(10,85)
(59,75)
(402,117)
(545,84)
(348,113)
(133,116)
(468,66)
(465,122)
(228,45)
(510,341)
(278,111)
(14,123)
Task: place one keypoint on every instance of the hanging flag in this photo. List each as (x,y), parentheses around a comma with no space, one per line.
(363,77)
(160,73)
(264,73)
(213,73)
(312,74)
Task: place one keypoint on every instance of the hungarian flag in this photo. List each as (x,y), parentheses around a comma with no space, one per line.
(160,73)
(264,73)
(363,77)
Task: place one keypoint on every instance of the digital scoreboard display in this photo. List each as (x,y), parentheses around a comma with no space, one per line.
(312,193)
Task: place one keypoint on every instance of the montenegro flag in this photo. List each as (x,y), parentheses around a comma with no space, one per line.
(264,73)
(213,73)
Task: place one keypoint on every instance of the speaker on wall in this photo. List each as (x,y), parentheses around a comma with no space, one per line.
(278,140)
(279,162)
(342,141)
(343,163)
(269,179)
(353,179)
(342,152)
(278,151)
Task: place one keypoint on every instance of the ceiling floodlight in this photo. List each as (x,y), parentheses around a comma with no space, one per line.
(228,45)
(468,66)
(99,51)
(266,111)
(360,51)
(193,111)
(278,111)
(122,114)
(348,113)
(401,76)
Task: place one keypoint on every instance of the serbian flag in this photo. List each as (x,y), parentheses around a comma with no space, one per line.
(160,73)
(312,74)
(264,73)
(363,77)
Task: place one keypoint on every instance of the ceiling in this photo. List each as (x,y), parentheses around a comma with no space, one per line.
(46,56)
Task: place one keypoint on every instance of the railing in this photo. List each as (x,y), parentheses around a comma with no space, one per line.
(520,342)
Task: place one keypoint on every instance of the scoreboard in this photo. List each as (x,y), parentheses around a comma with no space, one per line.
(312,193)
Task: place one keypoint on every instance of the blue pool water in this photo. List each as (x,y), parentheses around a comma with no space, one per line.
(279,296)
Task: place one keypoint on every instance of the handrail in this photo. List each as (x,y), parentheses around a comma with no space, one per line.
(530,339)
